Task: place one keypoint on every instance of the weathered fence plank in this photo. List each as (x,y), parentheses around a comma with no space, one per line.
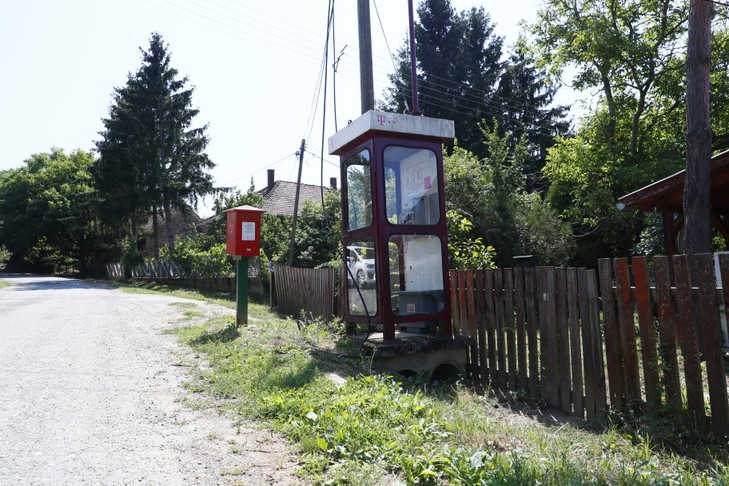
(471,312)
(490,324)
(689,348)
(628,351)
(573,302)
(647,333)
(612,334)
(563,344)
(510,326)
(500,328)
(530,288)
(548,334)
(521,334)
(716,376)
(667,330)
(481,323)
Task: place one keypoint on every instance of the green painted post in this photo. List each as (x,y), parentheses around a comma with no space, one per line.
(241,296)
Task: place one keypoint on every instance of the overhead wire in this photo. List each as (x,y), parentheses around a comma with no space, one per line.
(250,174)
(232,15)
(436,89)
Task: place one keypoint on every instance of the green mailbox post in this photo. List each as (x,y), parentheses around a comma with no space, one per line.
(243,240)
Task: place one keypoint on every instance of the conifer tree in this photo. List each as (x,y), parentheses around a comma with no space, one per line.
(152,161)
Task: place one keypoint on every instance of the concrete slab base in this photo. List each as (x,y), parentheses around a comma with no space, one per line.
(434,357)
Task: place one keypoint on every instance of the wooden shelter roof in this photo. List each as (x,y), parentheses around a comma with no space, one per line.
(666,195)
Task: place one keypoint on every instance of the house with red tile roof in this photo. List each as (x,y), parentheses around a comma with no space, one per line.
(280,196)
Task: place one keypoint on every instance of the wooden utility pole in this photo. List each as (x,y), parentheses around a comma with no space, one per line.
(697,188)
(296,204)
(366,83)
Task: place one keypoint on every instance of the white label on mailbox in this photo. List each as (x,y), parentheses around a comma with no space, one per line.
(249,231)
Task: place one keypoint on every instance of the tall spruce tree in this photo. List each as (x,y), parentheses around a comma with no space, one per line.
(458,68)
(151,159)
(462,77)
(527,95)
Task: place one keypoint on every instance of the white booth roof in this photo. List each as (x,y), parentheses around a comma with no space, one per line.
(390,123)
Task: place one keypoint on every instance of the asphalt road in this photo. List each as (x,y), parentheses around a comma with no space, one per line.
(91,392)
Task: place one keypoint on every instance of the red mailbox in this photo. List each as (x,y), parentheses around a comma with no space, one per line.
(243,231)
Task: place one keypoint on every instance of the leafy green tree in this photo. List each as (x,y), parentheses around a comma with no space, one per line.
(319,236)
(48,211)
(631,53)
(490,193)
(624,48)
(151,158)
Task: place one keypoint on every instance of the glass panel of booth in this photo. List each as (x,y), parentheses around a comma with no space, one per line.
(411,186)
(416,274)
(361,276)
(358,185)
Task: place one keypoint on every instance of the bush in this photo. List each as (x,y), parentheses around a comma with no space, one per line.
(196,258)
(464,251)
(4,256)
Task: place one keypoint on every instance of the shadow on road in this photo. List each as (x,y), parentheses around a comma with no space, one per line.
(24,282)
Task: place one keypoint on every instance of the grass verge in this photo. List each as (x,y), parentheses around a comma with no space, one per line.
(373,428)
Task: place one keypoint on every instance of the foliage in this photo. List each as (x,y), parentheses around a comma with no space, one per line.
(131,255)
(197,257)
(629,50)
(461,77)
(4,257)
(465,251)
(586,182)
(542,233)
(490,194)
(150,159)
(530,117)
(631,56)
(48,211)
(275,231)
(319,233)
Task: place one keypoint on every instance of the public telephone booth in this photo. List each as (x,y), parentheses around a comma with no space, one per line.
(393,222)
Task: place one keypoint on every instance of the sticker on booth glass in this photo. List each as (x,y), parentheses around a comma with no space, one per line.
(249,231)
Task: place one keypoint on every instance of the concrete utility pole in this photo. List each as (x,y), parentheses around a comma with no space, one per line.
(696,193)
(366,83)
(296,204)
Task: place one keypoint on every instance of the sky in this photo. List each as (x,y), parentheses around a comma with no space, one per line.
(255,67)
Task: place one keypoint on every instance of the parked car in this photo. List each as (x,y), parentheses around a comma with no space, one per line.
(361,264)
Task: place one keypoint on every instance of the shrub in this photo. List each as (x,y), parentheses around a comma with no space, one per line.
(4,256)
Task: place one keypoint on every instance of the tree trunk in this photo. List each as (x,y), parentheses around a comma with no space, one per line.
(168,216)
(155,232)
(696,194)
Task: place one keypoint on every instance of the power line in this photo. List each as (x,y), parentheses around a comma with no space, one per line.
(230,183)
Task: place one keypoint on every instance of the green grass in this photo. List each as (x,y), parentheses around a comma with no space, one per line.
(374,428)
(4,283)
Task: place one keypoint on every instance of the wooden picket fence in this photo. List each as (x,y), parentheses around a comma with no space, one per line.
(310,290)
(554,335)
